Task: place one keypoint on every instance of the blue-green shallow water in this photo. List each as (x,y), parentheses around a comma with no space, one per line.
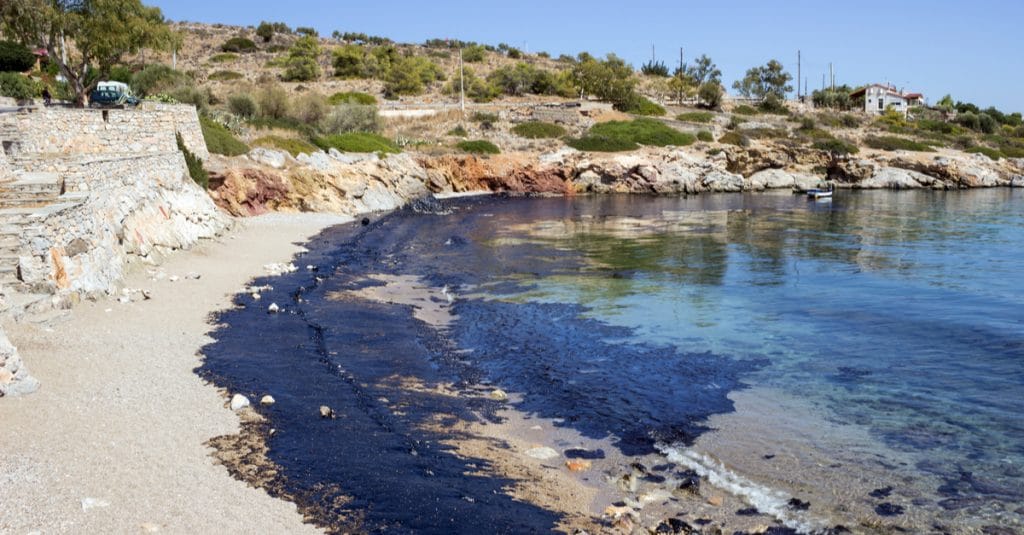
(898,312)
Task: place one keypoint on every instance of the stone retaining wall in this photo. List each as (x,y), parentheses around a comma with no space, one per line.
(136,210)
(150,128)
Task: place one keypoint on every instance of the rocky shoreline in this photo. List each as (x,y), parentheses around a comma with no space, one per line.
(268,180)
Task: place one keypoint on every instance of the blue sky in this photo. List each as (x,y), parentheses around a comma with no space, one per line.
(973,50)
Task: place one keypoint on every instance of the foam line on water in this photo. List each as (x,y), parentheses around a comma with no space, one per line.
(766,500)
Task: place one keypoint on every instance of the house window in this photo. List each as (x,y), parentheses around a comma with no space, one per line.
(881,104)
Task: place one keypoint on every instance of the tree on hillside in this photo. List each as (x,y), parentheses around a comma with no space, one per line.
(610,79)
(768,79)
(303,64)
(85,38)
(702,71)
(710,94)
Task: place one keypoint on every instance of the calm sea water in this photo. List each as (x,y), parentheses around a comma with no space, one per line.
(891,323)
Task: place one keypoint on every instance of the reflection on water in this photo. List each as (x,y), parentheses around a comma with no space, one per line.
(897,313)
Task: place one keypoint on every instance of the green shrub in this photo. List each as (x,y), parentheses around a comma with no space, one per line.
(702,117)
(290,145)
(735,138)
(993,154)
(458,131)
(155,79)
(987,123)
(743,109)
(242,105)
(711,94)
(351,118)
(220,140)
(272,101)
(597,143)
(276,49)
(478,146)
(644,132)
(538,130)
(474,54)
(120,73)
(198,97)
(774,105)
(15,57)
(410,76)
(357,142)
(896,143)
(224,76)
(627,135)
(734,123)
(836,146)
(484,117)
(302,64)
(352,97)
(18,87)
(265,31)
(238,44)
(941,127)
(849,120)
(194,164)
(705,136)
(309,108)
(223,58)
(639,105)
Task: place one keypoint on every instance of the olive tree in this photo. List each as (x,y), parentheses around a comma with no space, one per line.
(768,79)
(85,38)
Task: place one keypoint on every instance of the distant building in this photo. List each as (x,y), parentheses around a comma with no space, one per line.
(878,97)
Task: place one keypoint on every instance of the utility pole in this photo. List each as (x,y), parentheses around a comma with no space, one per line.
(832,77)
(462,85)
(799,74)
(174,58)
(681,74)
(652,53)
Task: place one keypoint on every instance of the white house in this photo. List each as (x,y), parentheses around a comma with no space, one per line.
(878,97)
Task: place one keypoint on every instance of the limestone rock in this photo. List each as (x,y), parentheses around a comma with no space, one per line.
(326,412)
(498,395)
(239,402)
(779,179)
(893,178)
(269,157)
(14,377)
(267,400)
(1017,182)
(318,160)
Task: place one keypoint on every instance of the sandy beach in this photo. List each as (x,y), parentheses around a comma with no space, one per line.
(113,442)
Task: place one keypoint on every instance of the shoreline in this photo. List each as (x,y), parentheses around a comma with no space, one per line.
(116,438)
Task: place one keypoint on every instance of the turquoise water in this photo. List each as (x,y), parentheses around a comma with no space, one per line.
(895,314)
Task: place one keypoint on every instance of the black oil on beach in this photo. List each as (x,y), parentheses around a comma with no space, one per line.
(636,320)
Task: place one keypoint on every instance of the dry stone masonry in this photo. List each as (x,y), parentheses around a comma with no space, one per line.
(85,193)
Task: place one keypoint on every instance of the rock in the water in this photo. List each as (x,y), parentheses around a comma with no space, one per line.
(267,400)
(239,402)
(689,482)
(498,395)
(888,509)
(542,453)
(326,412)
(715,501)
(1017,182)
(797,504)
(273,308)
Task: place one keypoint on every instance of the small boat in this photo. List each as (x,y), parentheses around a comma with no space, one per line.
(821,192)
